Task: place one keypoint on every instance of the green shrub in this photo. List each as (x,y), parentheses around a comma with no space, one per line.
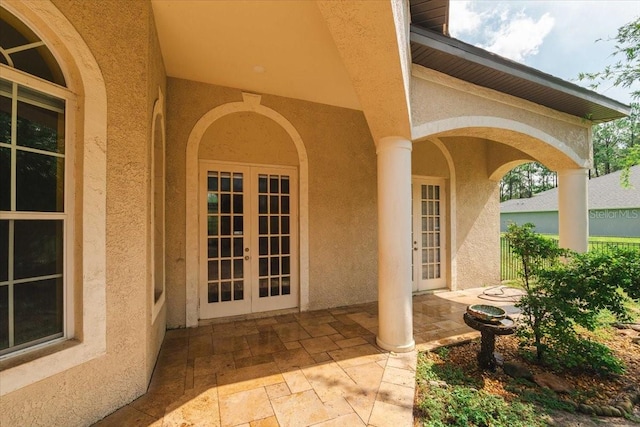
(565,289)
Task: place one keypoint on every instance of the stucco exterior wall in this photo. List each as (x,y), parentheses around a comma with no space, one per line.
(247,137)
(342,185)
(477,223)
(545,222)
(156,88)
(120,39)
(448,106)
(428,160)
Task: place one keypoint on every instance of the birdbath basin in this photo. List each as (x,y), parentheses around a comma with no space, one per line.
(490,321)
(487,313)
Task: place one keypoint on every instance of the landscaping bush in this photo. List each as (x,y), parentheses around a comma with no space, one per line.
(571,289)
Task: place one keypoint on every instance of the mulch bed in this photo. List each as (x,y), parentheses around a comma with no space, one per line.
(589,388)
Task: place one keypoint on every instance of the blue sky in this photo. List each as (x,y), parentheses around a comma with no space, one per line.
(557,37)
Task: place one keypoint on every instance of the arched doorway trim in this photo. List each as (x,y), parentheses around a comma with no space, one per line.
(250,103)
(452,211)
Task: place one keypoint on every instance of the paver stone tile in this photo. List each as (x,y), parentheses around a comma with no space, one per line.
(350,420)
(399,376)
(194,408)
(265,422)
(396,394)
(244,407)
(293,359)
(299,409)
(318,345)
(357,355)
(213,364)
(296,381)
(329,381)
(128,416)
(386,414)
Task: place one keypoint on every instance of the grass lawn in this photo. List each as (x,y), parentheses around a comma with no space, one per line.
(604,239)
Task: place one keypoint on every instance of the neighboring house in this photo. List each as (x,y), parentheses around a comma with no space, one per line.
(163,163)
(613,209)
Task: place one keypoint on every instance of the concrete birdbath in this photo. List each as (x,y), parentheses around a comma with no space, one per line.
(490,321)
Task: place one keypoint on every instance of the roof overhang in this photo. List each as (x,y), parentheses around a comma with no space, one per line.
(431,14)
(478,66)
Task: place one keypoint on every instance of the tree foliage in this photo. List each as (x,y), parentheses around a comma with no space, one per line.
(625,73)
(526,180)
(564,289)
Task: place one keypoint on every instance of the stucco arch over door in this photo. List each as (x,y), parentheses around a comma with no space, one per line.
(250,103)
(541,146)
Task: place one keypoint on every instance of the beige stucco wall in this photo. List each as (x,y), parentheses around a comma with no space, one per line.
(342,184)
(156,89)
(428,160)
(477,223)
(444,106)
(123,43)
(247,137)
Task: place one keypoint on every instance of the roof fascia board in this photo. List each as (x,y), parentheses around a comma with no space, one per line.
(484,58)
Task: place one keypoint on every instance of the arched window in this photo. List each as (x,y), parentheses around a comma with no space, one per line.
(36,165)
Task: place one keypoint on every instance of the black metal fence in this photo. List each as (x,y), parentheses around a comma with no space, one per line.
(510,264)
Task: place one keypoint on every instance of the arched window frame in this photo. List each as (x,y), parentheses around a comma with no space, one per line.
(158,240)
(89,125)
(17,77)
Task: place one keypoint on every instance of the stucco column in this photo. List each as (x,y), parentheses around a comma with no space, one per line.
(573,209)
(395,311)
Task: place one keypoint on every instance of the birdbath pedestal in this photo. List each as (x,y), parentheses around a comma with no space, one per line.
(488,332)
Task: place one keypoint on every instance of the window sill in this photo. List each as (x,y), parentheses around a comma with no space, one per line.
(29,367)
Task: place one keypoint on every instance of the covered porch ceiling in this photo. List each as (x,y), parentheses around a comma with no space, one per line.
(270,47)
(345,54)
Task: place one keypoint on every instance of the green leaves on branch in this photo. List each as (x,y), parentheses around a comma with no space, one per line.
(626,70)
(564,290)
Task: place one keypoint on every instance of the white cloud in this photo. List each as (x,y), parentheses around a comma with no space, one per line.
(497,27)
(526,31)
(520,36)
(465,19)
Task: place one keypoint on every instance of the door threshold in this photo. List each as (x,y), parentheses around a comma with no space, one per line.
(248,316)
(430,291)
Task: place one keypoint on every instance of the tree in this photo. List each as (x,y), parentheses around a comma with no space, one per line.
(526,180)
(564,289)
(625,72)
(612,142)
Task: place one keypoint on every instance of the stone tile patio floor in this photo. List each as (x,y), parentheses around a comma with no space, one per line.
(319,368)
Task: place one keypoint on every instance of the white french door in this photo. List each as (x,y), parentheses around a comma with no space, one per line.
(429,220)
(248,239)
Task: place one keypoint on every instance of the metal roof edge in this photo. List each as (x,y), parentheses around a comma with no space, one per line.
(495,62)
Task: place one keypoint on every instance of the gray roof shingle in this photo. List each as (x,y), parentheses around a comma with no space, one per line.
(605,192)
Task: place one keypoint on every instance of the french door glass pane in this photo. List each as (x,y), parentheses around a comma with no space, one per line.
(273,235)
(37,248)
(430,221)
(225,257)
(226,291)
(4,317)
(5,179)
(37,310)
(213,294)
(4,250)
